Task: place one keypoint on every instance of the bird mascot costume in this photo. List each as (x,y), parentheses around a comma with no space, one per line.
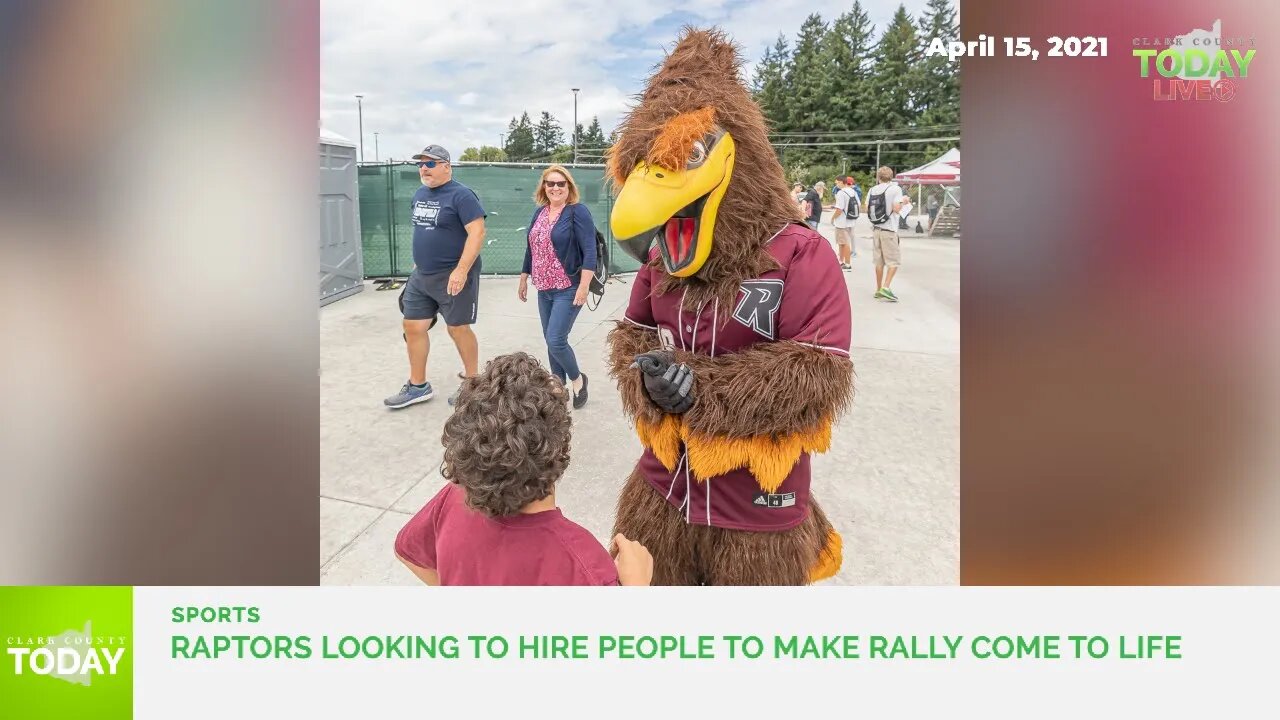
(733,356)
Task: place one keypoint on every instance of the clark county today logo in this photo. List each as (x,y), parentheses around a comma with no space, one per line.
(73,656)
(67,652)
(1200,65)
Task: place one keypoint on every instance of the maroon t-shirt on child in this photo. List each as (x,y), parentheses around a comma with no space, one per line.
(466,547)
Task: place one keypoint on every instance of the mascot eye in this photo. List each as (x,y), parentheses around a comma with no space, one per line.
(698,154)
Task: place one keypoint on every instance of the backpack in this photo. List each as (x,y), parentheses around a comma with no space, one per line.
(877,207)
(851,210)
(602,271)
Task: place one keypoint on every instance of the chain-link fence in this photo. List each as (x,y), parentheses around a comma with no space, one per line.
(506,193)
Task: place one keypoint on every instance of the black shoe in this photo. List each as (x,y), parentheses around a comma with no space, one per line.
(580,397)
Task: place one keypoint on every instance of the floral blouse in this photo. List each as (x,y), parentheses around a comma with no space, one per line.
(548,273)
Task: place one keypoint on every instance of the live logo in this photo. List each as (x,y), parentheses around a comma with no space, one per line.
(1180,89)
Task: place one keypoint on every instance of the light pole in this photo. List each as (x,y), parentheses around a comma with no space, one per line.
(375,147)
(502,141)
(575,125)
(360,113)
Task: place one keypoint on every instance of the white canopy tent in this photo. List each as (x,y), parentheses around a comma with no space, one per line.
(943,171)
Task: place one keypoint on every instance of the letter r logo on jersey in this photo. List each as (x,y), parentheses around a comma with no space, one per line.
(758,307)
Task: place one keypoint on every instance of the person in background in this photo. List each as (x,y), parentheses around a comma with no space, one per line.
(887,197)
(932,205)
(560,256)
(496,521)
(813,200)
(448,232)
(852,186)
(842,219)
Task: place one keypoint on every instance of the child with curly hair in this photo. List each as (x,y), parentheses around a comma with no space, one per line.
(496,521)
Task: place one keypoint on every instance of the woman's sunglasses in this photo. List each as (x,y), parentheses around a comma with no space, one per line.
(555,183)
(429,164)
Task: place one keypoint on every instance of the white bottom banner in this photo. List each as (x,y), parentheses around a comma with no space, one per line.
(743,652)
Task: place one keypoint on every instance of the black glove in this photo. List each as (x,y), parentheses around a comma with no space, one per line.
(669,385)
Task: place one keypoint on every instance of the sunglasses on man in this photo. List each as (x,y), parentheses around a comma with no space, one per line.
(555,183)
(430,163)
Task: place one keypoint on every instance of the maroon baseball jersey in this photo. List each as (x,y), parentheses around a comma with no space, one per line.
(466,547)
(806,301)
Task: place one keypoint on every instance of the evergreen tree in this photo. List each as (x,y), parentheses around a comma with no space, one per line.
(769,84)
(844,78)
(508,142)
(593,142)
(938,94)
(484,153)
(939,91)
(853,51)
(520,139)
(562,154)
(808,84)
(847,52)
(895,76)
(595,135)
(547,135)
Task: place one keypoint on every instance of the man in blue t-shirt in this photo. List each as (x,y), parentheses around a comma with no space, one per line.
(448,232)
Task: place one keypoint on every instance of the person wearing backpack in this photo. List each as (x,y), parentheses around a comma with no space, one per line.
(846,211)
(852,186)
(884,201)
(560,256)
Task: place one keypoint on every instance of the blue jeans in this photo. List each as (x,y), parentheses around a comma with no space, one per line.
(558,313)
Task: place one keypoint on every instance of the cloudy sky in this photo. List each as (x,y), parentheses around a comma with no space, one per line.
(455,72)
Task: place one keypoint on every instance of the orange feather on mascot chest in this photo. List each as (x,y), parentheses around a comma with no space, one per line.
(733,355)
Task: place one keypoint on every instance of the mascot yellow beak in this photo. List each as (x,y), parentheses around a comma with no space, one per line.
(675,207)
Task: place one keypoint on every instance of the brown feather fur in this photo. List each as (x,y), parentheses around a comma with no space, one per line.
(738,395)
(775,392)
(702,72)
(625,342)
(790,557)
(647,518)
(685,554)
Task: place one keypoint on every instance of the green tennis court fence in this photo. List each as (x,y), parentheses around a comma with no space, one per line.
(505,191)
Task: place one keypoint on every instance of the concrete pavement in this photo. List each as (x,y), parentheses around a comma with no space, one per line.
(890,484)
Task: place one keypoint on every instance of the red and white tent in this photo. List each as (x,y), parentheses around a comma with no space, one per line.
(943,171)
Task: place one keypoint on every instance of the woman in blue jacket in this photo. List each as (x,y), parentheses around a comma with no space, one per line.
(561,257)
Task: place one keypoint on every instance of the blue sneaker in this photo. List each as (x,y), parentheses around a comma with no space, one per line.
(409,395)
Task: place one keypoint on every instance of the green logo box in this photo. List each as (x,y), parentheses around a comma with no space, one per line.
(68,652)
